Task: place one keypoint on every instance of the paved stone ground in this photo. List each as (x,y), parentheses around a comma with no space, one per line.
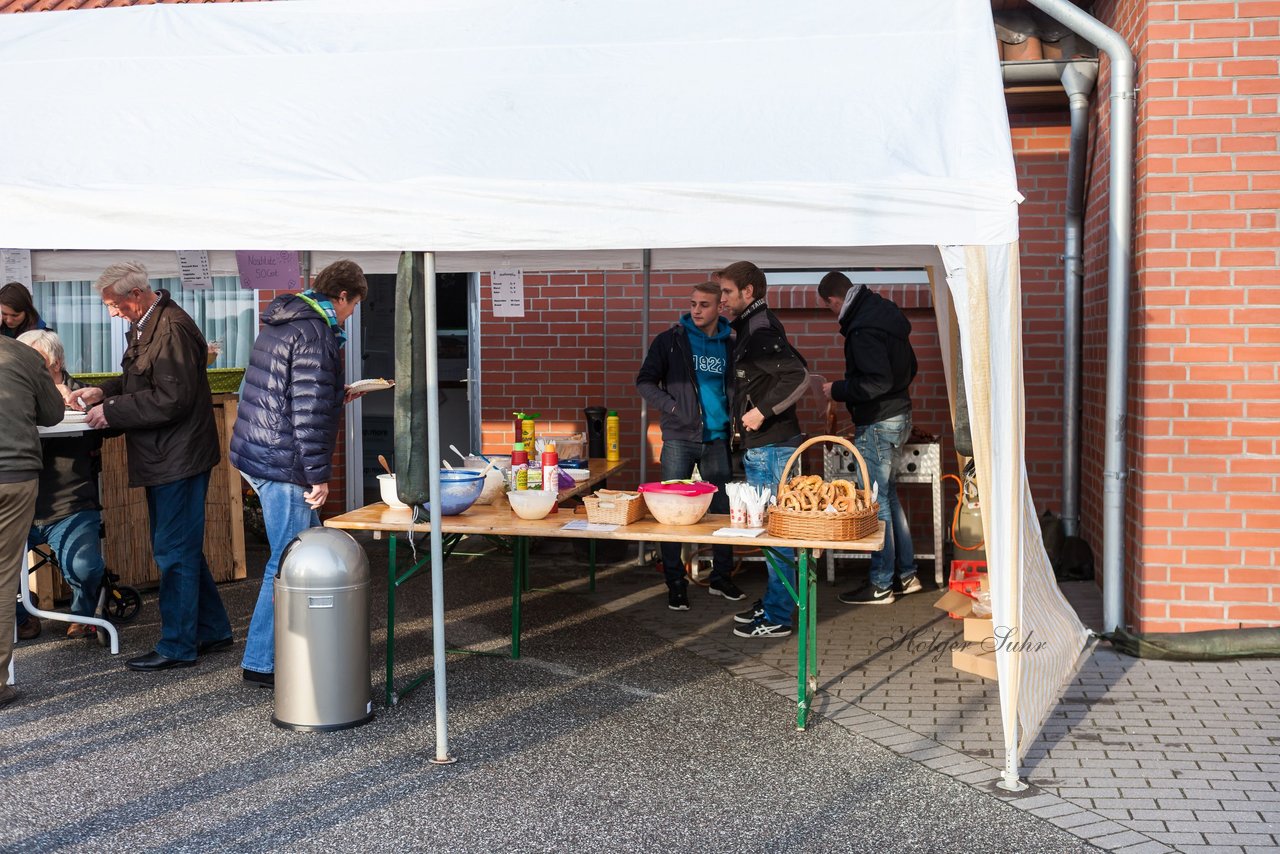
(1139,756)
(629,726)
(602,737)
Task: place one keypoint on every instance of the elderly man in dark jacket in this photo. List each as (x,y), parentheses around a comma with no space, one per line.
(287,425)
(163,404)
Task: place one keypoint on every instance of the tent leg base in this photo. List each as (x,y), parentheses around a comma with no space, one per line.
(1011,784)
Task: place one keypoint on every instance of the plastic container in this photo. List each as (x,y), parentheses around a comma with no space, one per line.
(495,483)
(678,503)
(612,437)
(550,470)
(532,503)
(387,486)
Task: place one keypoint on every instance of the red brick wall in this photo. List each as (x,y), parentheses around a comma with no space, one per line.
(1204,519)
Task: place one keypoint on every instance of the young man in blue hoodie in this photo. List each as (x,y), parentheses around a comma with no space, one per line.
(687,377)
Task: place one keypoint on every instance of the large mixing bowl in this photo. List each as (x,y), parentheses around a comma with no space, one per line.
(532,503)
(677,503)
(495,483)
(459,489)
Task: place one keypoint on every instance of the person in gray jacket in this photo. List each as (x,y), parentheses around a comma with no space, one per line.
(28,398)
(687,378)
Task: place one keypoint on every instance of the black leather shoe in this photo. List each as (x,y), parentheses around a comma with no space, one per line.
(206,647)
(266,680)
(156,661)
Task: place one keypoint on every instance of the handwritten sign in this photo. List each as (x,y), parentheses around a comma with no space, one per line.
(15,266)
(507,289)
(193,264)
(278,271)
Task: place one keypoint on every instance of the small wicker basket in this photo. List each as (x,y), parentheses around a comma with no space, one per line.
(820,524)
(603,509)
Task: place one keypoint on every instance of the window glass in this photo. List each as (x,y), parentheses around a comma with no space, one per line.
(225,313)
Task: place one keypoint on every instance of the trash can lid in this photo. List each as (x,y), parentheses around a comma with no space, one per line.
(321,558)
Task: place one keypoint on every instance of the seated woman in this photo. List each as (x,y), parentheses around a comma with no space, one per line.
(68,516)
(17,312)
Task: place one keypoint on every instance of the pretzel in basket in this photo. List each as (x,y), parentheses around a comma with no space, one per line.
(811,492)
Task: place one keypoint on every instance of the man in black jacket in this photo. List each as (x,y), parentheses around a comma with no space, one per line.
(879,368)
(163,404)
(686,378)
(770,377)
(287,426)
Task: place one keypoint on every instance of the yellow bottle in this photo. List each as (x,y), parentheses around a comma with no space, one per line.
(612,427)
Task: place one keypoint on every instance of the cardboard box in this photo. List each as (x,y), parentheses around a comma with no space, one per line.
(979,630)
(973,661)
(956,604)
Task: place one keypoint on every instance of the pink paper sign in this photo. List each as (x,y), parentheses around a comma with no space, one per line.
(280,271)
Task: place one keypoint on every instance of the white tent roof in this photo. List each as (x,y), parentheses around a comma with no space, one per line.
(499,127)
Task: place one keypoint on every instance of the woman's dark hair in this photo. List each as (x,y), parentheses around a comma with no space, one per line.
(16,297)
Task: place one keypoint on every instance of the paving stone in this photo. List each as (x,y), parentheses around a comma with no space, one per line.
(1119,840)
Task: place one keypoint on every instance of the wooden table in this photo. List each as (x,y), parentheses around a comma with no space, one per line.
(498,521)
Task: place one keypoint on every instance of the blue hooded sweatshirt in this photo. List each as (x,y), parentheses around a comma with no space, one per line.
(709,359)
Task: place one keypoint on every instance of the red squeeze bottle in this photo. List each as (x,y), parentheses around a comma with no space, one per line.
(551,471)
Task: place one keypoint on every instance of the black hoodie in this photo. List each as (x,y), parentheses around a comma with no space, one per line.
(879,362)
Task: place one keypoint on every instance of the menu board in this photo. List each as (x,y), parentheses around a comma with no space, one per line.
(15,266)
(193,266)
(507,289)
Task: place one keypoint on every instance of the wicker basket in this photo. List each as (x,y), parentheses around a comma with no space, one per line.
(602,510)
(819,524)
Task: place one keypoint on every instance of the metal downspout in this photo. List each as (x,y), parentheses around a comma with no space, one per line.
(1078,77)
(1119,240)
(1079,81)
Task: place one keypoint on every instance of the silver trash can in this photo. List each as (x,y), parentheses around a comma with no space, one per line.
(322,633)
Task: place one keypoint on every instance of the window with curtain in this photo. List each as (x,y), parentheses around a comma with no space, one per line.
(95,342)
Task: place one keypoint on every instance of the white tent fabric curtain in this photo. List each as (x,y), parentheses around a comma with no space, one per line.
(1043,635)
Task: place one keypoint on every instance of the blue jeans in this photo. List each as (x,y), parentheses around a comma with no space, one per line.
(878,443)
(285,514)
(191,611)
(764,468)
(77,546)
(712,459)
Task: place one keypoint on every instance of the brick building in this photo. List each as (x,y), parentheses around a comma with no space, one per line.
(1202,511)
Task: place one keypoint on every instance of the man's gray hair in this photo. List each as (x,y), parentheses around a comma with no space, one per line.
(121,278)
(47,344)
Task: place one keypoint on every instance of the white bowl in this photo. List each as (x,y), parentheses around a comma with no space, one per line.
(494,484)
(532,503)
(387,485)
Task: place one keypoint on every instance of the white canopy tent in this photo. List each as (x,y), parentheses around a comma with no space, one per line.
(559,134)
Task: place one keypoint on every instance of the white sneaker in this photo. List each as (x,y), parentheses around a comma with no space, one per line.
(912,585)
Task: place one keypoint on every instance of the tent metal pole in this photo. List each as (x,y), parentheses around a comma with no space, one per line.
(1119,241)
(442,756)
(646,257)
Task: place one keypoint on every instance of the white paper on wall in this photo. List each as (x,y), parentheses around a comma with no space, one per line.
(507,289)
(15,266)
(193,267)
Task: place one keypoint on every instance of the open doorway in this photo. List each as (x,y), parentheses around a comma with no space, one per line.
(377,359)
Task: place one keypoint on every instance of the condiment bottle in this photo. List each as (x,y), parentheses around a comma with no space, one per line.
(519,466)
(551,471)
(528,428)
(612,427)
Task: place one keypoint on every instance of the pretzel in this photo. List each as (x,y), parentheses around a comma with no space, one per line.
(791,501)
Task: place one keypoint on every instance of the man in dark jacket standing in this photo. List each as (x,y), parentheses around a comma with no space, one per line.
(879,368)
(686,379)
(28,398)
(770,377)
(163,404)
(287,425)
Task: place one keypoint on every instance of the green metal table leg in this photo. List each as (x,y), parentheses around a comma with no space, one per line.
(591,578)
(390,698)
(803,624)
(519,556)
